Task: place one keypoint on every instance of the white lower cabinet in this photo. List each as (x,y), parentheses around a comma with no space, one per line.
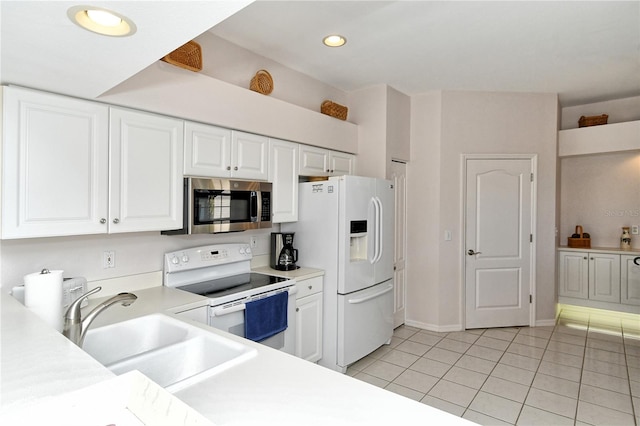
(630,279)
(610,280)
(309,319)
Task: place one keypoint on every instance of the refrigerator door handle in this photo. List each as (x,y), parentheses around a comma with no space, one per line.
(371,296)
(378,229)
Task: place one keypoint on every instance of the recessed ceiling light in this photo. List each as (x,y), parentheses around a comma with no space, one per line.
(101,21)
(334,40)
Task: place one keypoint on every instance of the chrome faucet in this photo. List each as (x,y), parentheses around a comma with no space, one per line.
(75,328)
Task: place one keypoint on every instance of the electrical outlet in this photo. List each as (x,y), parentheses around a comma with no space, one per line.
(253,242)
(109,259)
(634,229)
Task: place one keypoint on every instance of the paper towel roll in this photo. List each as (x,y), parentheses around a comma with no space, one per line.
(43,296)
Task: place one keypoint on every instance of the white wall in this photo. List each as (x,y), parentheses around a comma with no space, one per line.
(370,112)
(618,110)
(135,253)
(473,122)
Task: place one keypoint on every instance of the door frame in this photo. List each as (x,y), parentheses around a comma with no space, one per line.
(533,158)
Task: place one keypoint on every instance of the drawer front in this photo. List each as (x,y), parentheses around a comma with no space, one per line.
(309,286)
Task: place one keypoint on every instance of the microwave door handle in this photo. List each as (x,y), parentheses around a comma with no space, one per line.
(253,206)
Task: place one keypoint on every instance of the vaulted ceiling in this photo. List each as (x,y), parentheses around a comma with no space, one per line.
(584,51)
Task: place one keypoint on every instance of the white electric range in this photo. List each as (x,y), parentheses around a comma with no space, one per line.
(222,273)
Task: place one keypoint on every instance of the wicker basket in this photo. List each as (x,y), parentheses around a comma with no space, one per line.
(334,110)
(187,56)
(594,120)
(579,242)
(262,82)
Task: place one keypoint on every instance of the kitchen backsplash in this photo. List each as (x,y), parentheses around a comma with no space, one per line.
(135,253)
(601,193)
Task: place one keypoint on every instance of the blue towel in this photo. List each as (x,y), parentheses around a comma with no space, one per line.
(265,317)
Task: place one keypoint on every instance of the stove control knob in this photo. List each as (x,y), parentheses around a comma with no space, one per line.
(185,258)
(175,260)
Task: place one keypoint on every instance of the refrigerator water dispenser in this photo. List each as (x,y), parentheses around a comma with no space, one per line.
(358,240)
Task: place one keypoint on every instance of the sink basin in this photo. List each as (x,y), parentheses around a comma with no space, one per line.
(170,352)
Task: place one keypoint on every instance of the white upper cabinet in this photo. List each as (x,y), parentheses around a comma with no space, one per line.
(207,150)
(55,165)
(212,151)
(283,174)
(249,156)
(146,186)
(316,161)
(74,167)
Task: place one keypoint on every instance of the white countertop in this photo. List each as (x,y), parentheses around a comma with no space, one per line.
(297,274)
(272,388)
(635,251)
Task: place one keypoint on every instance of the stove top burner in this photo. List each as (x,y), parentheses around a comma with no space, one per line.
(230,285)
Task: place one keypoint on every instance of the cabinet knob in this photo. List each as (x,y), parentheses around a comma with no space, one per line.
(228,167)
(297,309)
(116,220)
(328,171)
(103,220)
(235,168)
(310,287)
(585,258)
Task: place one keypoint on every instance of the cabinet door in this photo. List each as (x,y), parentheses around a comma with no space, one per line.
(342,163)
(630,280)
(146,172)
(573,274)
(283,174)
(309,327)
(207,150)
(314,161)
(54,167)
(604,277)
(249,156)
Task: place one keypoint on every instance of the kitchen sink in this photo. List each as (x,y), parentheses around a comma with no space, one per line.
(170,352)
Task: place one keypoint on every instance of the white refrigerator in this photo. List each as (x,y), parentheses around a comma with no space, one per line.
(346,227)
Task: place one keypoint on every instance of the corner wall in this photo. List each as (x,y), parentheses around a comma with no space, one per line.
(473,123)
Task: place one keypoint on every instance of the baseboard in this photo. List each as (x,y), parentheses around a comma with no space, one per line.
(434,327)
(545,323)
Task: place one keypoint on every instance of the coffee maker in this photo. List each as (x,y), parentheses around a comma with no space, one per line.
(283,255)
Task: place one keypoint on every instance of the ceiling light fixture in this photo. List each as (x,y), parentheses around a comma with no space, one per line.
(334,40)
(101,21)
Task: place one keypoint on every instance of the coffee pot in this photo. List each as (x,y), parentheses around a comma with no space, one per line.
(283,255)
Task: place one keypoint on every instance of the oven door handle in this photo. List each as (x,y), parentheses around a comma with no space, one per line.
(221,311)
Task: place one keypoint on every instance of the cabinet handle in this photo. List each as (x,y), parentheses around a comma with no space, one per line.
(116,220)
(103,220)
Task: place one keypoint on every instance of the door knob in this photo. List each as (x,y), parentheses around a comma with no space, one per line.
(471,252)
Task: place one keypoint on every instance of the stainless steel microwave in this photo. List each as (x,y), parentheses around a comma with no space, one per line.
(213,205)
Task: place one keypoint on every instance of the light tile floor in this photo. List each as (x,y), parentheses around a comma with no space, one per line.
(585,370)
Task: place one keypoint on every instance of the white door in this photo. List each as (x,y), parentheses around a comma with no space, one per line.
(146,184)
(207,150)
(498,241)
(249,156)
(399,178)
(54,170)
(283,175)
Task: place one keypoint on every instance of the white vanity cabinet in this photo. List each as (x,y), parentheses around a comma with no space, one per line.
(630,279)
(212,151)
(316,161)
(309,319)
(573,274)
(283,175)
(76,167)
(55,165)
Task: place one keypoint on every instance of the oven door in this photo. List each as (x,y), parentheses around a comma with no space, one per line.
(230,318)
